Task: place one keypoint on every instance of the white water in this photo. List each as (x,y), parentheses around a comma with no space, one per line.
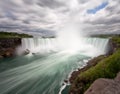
(87,46)
(45,72)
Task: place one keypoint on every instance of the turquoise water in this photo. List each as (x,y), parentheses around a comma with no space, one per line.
(37,74)
(41,73)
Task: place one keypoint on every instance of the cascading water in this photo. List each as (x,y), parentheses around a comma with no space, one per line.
(38,44)
(93,46)
(45,74)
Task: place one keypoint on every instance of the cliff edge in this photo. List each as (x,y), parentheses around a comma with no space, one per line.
(8,46)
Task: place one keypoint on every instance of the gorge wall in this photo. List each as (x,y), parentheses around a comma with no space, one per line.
(8,46)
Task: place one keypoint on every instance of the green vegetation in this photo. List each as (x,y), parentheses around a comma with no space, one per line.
(106,68)
(116,40)
(13,35)
(106,36)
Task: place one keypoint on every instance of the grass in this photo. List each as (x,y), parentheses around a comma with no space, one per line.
(106,68)
(13,35)
(116,40)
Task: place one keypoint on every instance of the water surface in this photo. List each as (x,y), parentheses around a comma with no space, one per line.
(43,73)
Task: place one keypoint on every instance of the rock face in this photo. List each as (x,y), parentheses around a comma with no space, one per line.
(111,48)
(105,86)
(8,45)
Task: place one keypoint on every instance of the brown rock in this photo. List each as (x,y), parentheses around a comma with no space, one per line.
(66,81)
(8,45)
(118,77)
(104,86)
(1,57)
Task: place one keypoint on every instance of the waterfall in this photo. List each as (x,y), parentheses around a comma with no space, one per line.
(39,44)
(90,46)
(100,44)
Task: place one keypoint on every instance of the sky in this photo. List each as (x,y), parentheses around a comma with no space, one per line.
(45,17)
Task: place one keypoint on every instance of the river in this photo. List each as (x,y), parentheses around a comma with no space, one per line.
(44,70)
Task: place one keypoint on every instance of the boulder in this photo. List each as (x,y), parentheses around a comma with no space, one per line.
(118,77)
(105,86)
(26,52)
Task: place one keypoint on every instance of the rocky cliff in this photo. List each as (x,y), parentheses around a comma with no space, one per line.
(8,46)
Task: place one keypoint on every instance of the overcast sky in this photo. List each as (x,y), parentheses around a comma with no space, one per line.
(48,16)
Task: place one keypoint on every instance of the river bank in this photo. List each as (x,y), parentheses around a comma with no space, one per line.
(99,67)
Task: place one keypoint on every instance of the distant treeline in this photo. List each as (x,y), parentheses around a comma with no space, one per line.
(13,35)
(105,35)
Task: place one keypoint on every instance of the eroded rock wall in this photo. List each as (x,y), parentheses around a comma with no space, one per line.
(8,46)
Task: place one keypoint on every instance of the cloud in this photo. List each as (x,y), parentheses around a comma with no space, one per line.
(94,10)
(106,20)
(48,16)
(50,3)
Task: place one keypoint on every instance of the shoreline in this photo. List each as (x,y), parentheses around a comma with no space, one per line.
(75,73)
(90,63)
(112,48)
(67,82)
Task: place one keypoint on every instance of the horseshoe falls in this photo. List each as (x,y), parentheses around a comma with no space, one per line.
(48,64)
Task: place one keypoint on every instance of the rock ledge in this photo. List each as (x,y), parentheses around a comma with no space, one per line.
(105,86)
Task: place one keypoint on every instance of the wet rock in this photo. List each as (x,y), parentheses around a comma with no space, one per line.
(27,51)
(63,84)
(66,81)
(33,53)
